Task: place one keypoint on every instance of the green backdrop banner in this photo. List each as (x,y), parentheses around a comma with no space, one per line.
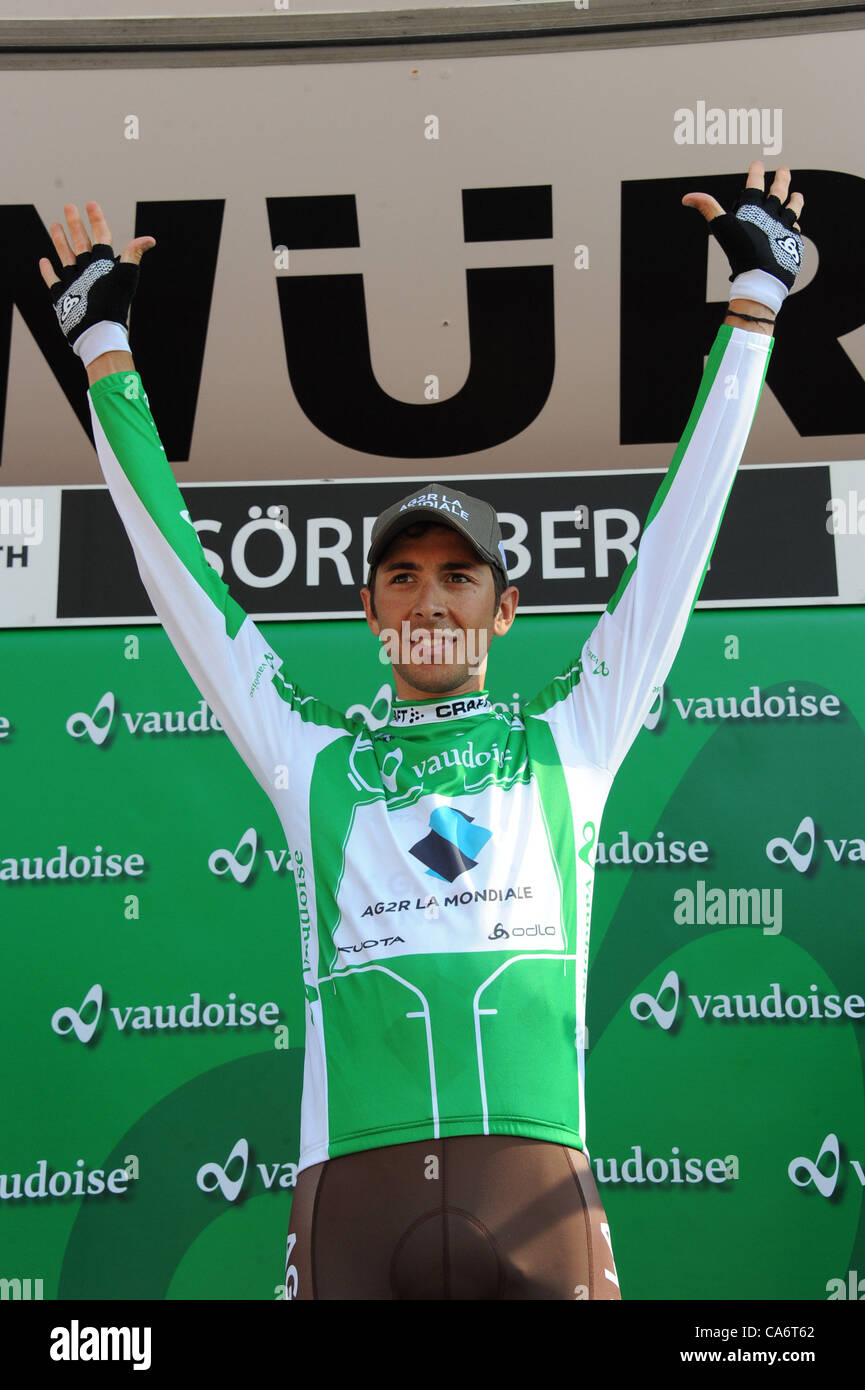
(151,986)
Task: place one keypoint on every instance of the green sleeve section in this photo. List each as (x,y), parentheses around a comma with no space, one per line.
(122,408)
(713,362)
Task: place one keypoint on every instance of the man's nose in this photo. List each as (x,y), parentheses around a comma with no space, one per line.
(429,599)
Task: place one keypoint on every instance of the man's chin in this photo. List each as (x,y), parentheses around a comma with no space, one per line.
(436,679)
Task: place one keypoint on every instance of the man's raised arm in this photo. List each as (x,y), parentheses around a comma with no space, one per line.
(224,652)
(599,705)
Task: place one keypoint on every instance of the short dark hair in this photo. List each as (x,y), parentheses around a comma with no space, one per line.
(419,529)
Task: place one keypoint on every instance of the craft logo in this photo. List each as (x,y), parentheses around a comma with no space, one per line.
(216,1177)
(453,841)
(777,1005)
(240,861)
(800,850)
(84,1020)
(98,725)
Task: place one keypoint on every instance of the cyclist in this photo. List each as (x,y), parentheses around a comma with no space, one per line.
(442,848)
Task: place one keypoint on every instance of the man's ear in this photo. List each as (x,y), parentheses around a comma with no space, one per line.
(507,610)
(372,621)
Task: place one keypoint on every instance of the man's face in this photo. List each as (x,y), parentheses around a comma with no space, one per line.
(435,612)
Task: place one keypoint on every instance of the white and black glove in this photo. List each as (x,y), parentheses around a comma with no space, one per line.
(96,290)
(764,250)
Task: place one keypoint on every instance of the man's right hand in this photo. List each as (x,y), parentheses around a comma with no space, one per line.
(93,286)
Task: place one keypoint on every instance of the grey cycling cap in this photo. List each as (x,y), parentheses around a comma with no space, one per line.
(474,519)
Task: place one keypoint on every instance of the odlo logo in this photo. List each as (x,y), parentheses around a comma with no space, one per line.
(803,1171)
(229,1178)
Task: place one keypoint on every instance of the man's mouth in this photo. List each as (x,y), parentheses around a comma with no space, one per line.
(432,645)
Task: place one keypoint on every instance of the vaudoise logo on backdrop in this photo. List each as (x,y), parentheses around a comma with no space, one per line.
(100,724)
(828,1179)
(84,1021)
(777,1005)
(800,850)
(229,1178)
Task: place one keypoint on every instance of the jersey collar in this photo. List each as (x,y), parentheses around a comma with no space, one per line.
(404,713)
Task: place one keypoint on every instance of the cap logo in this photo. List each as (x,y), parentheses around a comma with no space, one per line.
(440,502)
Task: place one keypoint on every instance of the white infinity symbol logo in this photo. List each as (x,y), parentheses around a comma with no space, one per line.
(650,1004)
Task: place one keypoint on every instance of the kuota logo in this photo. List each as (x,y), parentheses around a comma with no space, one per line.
(214,1177)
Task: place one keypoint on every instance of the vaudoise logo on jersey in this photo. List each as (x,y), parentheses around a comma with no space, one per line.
(453,841)
(215,1177)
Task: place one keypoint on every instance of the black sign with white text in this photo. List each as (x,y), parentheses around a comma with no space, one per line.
(297,550)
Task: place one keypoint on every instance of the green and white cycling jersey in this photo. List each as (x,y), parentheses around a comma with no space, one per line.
(442,851)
